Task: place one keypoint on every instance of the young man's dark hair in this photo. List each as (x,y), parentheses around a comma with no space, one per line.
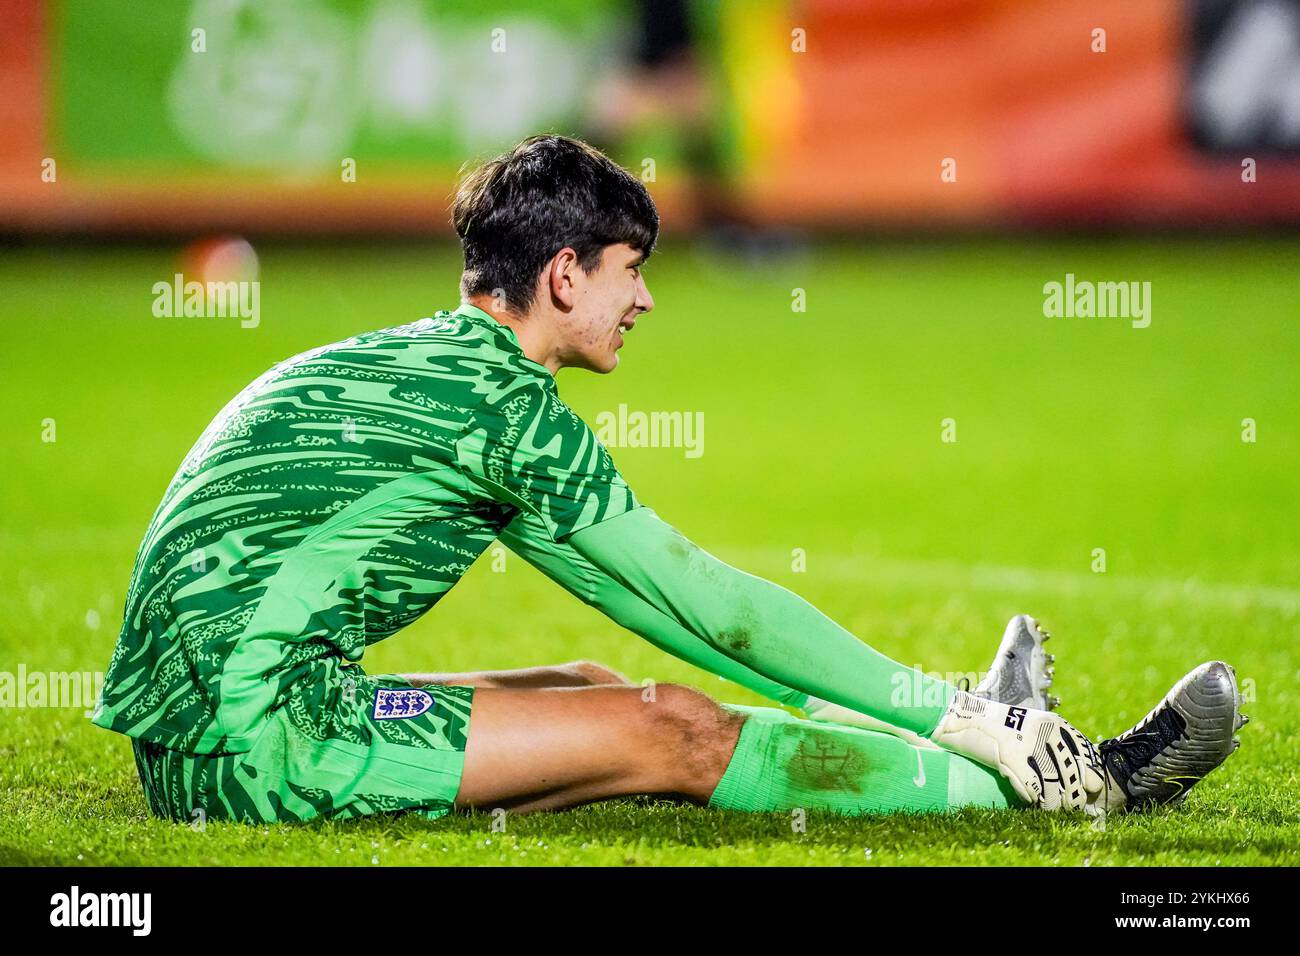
(515,212)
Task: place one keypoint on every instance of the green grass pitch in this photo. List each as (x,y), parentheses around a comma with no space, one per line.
(822,434)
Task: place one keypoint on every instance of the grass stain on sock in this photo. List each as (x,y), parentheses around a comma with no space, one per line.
(820,762)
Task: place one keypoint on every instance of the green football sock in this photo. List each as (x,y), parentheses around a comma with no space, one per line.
(782,762)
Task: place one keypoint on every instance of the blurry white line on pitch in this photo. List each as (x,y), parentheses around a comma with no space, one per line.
(1156,591)
(849,567)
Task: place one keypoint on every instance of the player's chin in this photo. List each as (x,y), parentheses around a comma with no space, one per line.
(603,362)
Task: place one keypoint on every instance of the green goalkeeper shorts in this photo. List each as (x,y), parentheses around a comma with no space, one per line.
(344,745)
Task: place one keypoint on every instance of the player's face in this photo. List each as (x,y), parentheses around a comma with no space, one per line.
(608,301)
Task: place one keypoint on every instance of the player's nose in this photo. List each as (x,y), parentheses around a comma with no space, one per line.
(644,301)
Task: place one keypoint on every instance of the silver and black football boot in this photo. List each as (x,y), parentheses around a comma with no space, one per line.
(1187,735)
(1022,670)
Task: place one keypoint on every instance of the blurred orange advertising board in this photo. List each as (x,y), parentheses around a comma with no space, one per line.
(22,83)
(1022,111)
(834,113)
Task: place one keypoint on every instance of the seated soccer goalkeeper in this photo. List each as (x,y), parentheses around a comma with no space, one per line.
(339,496)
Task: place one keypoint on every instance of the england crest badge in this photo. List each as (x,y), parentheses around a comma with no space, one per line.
(396,703)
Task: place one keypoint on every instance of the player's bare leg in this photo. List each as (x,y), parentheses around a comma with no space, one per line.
(572,674)
(544,749)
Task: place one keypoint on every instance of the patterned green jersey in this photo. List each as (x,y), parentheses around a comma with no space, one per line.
(330,504)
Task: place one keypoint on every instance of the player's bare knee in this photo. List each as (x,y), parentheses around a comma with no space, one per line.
(693,734)
(595,674)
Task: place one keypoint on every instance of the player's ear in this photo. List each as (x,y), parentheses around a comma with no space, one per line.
(563,275)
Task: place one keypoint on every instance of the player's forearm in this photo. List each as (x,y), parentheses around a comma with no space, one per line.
(759,624)
(565,566)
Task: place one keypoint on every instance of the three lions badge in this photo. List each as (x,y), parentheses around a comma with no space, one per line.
(397,703)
